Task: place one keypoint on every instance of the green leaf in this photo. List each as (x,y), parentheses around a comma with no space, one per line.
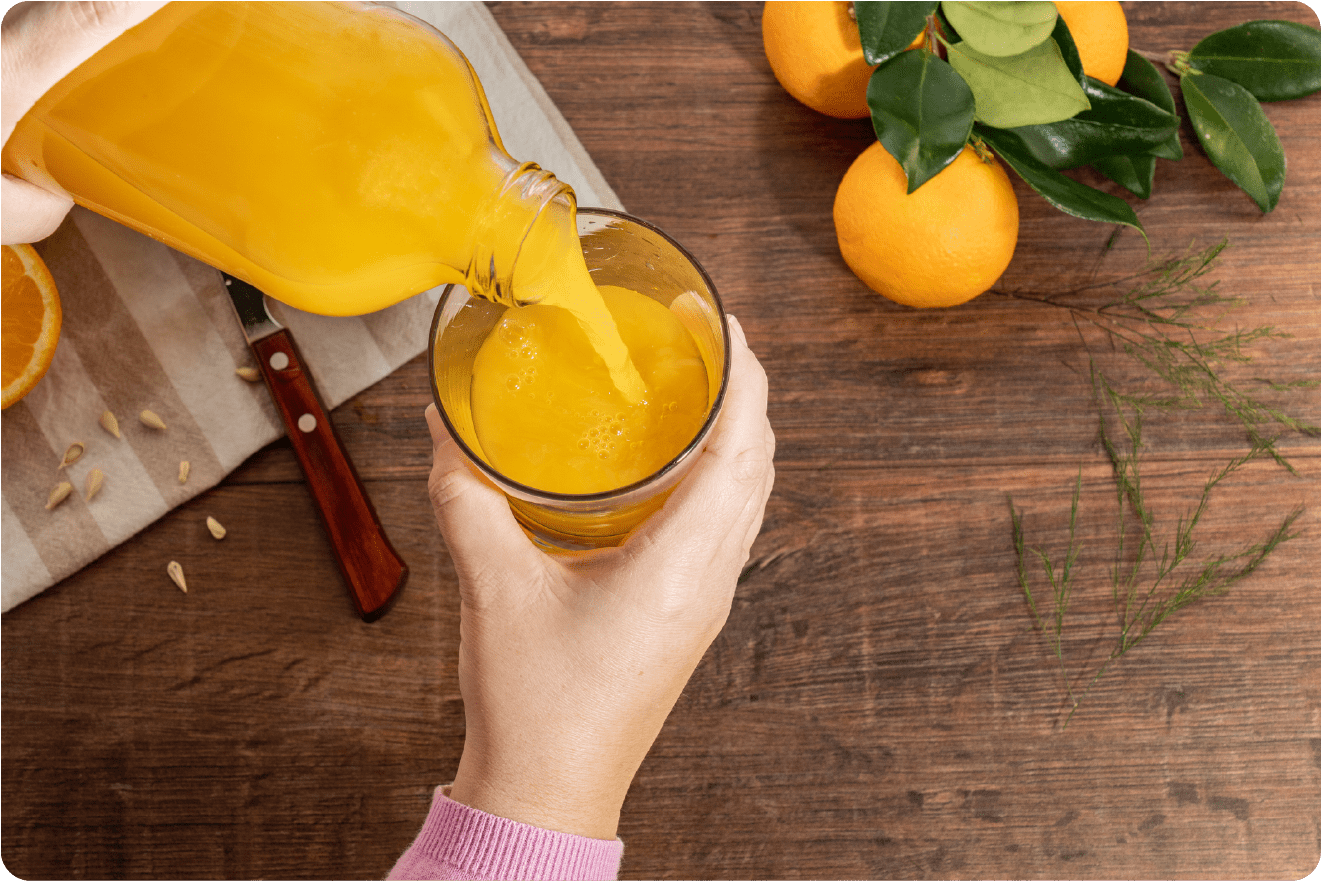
(1117,123)
(1141,78)
(1000,28)
(1274,60)
(889,28)
(1064,193)
(1028,89)
(922,112)
(1236,135)
(1135,173)
(1068,49)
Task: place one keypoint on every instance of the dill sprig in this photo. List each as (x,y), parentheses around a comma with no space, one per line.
(1060,584)
(1166,320)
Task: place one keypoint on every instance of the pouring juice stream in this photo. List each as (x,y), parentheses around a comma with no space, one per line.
(341,158)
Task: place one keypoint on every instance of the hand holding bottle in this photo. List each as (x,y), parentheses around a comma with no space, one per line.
(42,43)
(569,666)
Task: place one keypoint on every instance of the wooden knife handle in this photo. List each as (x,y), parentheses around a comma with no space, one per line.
(371,567)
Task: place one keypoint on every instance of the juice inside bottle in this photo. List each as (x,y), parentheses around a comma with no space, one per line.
(339,158)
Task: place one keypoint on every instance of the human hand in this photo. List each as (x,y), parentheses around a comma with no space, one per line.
(568,666)
(41,43)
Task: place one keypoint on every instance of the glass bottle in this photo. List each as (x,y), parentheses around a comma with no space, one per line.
(339,156)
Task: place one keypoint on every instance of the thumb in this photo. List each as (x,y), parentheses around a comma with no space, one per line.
(474,517)
(31,213)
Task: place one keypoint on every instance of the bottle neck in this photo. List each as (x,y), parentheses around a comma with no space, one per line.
(531,212)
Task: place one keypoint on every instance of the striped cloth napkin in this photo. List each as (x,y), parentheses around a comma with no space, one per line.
(147,328)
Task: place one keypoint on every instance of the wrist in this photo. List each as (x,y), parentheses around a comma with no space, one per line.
(585,804)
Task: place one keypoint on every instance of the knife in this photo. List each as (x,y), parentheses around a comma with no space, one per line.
(372,569)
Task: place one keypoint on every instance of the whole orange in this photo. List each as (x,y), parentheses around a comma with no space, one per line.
(815,52)
(941,245)
(1100,31)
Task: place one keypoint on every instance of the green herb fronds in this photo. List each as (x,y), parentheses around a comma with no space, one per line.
(1167,323)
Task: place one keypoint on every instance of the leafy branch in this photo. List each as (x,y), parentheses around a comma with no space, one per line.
(1161,323)
(1011,77)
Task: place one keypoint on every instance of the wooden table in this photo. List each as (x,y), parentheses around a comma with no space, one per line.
(879,703)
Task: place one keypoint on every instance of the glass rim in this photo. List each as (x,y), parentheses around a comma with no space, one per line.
(540,495)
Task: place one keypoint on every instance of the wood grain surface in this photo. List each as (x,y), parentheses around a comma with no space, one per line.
(879,704)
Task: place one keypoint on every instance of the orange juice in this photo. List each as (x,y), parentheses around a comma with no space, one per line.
(339,158)
(548,415)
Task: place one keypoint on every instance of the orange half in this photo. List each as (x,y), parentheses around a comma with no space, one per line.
(30,315)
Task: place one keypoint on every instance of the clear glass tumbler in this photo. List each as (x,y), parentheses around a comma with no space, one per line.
(619,250)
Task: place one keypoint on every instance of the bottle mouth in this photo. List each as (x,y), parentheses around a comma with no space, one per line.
(530,183)
(542,209)
(551,232)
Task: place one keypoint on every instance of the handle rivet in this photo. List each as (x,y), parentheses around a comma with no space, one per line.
(279,360)
(306,423)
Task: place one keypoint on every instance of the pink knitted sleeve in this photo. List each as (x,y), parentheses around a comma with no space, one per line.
(462,843)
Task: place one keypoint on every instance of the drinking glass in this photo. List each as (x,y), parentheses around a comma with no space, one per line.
(619,250)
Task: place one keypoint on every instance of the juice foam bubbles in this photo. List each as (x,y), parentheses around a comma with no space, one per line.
(549,415)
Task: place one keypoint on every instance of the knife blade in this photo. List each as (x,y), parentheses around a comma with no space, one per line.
(372,569)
